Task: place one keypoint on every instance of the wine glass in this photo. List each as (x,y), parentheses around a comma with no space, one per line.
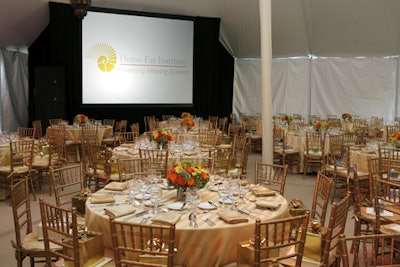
(193,198)
(223,191)
(156,197)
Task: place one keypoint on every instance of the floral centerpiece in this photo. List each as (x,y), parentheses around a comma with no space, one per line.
(186,115)
(395,139)
(321,125)
(161,136)
(80,119)
(187,122)
(347,117)
(187,174)
(287,119)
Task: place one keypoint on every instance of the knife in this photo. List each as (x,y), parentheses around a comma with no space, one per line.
(212,204)
(246,213)
(141,213)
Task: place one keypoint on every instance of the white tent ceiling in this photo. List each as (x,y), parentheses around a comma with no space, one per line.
(299,27)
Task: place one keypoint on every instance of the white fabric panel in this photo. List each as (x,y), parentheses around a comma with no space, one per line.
(14,90)
(359,86)
(321,86)
(291,86)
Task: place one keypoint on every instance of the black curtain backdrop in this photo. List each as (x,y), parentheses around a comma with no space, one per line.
(60,46)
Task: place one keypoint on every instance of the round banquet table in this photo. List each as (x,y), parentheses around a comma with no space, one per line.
(127,151)
(74,134)
(203,246)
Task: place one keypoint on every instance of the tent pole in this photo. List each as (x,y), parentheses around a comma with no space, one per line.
(266,80)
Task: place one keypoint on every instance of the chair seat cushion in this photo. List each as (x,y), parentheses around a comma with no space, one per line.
(32,242)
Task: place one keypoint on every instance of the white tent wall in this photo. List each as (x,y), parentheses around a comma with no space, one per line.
(321,86)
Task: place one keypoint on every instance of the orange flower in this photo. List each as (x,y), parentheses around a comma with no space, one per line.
(180,180)
(190,181)
(187,174)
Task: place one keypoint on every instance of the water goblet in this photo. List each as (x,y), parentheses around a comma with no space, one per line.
(223,191)
(156,197)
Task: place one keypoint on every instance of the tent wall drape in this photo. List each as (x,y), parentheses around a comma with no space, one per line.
(321,86)
(14,90)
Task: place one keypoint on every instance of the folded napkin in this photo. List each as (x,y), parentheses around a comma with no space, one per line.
(261,191)
(264,204)
(168,218)
(102,198)
(117,186)
(119,211)
(232,217)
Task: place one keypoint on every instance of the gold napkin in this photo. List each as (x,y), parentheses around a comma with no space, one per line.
(168,218)
(102,198)
(264,204)
(119,211)
(261,191)
(232,216)
(117,186)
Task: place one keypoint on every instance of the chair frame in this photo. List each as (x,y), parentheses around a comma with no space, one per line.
(280,234)
(22,214)
(56,222)
(131,238)
(274,174)
(322,190)
(67,181)
(371,250)
(133,168)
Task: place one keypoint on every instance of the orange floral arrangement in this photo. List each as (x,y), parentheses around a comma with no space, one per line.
(187,174)
(347,117)
(287,118)
(186,115)
(81,118)
(161,136)
(188,122)
(322,125)
(395,139)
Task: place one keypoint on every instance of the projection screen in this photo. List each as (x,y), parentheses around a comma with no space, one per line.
(134,59)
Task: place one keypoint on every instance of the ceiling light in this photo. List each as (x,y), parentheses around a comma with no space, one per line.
(80,7)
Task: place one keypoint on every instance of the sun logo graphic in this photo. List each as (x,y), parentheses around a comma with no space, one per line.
(105,55)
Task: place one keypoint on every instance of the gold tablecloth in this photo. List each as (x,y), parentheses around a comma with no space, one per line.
(360,158)
(5,154)
(74,134)
(203,246)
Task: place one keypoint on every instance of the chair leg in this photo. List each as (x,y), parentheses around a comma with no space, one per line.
(29,176)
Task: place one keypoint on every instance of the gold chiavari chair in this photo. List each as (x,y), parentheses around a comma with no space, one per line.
(158,159)
(134,168)
(283,154)
(66,181)
(390,130)
(221,161)
(372,250)
(120,126)
(315,150)
(272,176)
(135,129)
(284,235)
(26,132)
(387,206)
(110,122)
(322,190)
(37,125)
(55,121)
(138,244)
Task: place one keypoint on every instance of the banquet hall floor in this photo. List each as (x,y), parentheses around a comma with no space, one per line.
(296,187)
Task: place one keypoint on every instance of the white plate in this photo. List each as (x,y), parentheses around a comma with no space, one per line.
(143,196)
(227,201)
(206,206)
(176,206)
(213,188)
(151,204)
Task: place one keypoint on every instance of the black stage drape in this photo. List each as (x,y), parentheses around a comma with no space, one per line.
(59,46)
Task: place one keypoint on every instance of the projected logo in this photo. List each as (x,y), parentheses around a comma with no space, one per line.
(105,55)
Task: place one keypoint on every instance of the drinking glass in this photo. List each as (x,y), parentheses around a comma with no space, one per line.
(223,191)
(156,197)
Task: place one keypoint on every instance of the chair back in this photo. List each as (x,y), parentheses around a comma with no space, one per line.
(120,126)
(22,214)
(21,156)
(135,129)
(60,228)
(110,122)
(158,159)
(24,132)
(37,125)
(284,235)
(387,204)
(133,168)
(371,250)
(336,226)
(66,181)
(124,137)
(55,121)
(221,161)
(137,244)
(272,176)
(322,192)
